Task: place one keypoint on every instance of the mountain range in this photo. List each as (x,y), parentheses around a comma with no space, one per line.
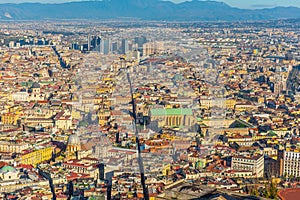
(194,10)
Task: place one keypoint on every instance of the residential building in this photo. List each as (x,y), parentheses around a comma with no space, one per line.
(291,163)
(249,163)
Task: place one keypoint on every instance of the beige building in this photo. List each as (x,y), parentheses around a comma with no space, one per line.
(12,147)
(208,102)
(44,122)
(249,163)
(63,120)
(152,47)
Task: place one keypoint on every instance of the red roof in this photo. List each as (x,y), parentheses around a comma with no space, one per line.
(25,166)
(289,194)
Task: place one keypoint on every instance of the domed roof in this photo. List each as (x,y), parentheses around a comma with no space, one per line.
(73,140)
(6,169)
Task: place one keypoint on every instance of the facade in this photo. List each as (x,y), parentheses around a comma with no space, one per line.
(20,96)
(12,147)
(291,163)
(37,156)
(64,123)
(215,102)
(253,163)
(44,122)
(63,120)
(9,118)
(83,167)
(173,117)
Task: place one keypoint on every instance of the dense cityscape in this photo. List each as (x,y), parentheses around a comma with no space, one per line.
(149,110)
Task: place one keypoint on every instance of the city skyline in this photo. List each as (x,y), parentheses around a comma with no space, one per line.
(149,109)
(253,4)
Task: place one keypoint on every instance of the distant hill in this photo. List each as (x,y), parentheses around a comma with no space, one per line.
(142,9)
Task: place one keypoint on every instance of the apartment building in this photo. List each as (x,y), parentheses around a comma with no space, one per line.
(249,163)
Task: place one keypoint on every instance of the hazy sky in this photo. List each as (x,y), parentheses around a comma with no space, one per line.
(253,4)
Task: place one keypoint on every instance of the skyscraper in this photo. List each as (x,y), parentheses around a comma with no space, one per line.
(124,46)
(105,46)
(89,43)
(95,43)
(140,41)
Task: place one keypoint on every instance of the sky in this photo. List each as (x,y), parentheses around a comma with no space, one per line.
(250,4)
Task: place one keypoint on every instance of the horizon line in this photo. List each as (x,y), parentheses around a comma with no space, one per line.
(85,1)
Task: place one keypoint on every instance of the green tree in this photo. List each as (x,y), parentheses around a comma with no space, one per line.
(254,192)
(270,192)
(273,191)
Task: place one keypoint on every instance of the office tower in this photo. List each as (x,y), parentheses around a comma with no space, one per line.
(124,46)
(75,46)
(88,43)
(105,46)
(97,40)
(114,47)
(22,42)
(140,41)
(95,43)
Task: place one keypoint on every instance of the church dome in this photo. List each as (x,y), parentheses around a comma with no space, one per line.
(6,169)
(73,140)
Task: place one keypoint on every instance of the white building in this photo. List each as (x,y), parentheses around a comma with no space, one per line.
(247,163)
(20,96)
(291,163)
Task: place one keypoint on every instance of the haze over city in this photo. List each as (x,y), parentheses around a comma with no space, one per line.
(249,4)
(150,100)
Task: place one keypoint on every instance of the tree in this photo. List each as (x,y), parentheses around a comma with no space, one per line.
(254,192)
(273,191)
(270,192)
(265,192)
